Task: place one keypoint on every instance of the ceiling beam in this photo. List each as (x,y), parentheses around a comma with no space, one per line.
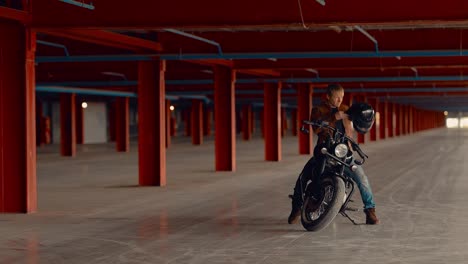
(14,14)
(107,38)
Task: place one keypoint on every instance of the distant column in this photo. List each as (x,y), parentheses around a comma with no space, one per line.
(122,125)
(207,120)
(247,122)
(374,102)
(197,122)
(304,106)
(383,110)
(67,125)
(225,119)
(391,119)
(79,124)
(294,122)
(151,123)
(168,117)
(272,103)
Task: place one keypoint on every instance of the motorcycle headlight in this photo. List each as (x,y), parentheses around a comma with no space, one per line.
(341,150)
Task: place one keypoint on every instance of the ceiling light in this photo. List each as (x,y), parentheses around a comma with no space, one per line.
(207,71)
(322,2)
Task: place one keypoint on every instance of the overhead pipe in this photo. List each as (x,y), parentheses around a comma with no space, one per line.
(91,83)
(185,34)
(75,90)
(47,43)
(369,36)
(275,80)
(240,56)
(79,3)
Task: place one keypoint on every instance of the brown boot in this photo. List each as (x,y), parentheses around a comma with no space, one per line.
(371,217)
(295,212)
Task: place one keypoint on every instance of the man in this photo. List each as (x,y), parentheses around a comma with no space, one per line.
(333,111)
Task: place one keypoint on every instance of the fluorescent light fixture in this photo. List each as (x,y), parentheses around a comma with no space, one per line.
(121,75)
(207,71)
(79,3)
(322,2)
(313,71)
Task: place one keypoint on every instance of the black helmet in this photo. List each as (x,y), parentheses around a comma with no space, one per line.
(362,115)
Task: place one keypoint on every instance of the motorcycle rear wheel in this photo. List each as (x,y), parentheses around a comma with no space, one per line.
(318,212)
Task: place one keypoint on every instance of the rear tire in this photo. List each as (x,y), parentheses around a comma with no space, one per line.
(319,213)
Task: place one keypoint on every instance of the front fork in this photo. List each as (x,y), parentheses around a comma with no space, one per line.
(344,207)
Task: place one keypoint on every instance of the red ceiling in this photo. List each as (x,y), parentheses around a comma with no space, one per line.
(258,27)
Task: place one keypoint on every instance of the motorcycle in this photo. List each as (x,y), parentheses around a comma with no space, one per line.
(331,189)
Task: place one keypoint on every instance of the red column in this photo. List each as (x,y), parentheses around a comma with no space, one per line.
(390,119)
(247,122)
(383,113)
(79,124)
(398,120)
(410,120)
(39,129)
(111,118)
(67,125)
(272,103)
(406,119)
(304,106)
(168,116)
(294,122)
(238,116)
(207,118)
(17,119)
(197,122)
(262,121)
(151,123)
(173,126)
(225,119)
(122,125)
(187,122)
(252,122)
(416,120)
(282,120)
(374,102)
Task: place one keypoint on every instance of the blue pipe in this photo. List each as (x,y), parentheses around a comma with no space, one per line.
(240,56)
(63,89)
(90,83)
(182,33)
(54,45)
(255,81)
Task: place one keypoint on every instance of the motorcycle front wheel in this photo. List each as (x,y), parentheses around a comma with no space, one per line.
(319,210)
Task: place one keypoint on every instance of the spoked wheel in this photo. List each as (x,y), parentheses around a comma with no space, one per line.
(319,210)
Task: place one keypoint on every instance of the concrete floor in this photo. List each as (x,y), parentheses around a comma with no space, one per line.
(92,211)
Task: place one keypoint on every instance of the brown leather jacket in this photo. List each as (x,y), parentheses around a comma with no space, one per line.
(323,112)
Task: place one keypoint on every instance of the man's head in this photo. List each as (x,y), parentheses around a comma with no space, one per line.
(335,94)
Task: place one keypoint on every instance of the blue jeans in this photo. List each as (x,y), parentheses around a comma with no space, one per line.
(359,176)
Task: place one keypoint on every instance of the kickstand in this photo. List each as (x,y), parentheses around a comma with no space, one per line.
(343,213)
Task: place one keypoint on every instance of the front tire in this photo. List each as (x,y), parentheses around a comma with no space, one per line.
(318,213)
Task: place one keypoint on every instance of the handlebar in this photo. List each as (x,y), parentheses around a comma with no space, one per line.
(326,125)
